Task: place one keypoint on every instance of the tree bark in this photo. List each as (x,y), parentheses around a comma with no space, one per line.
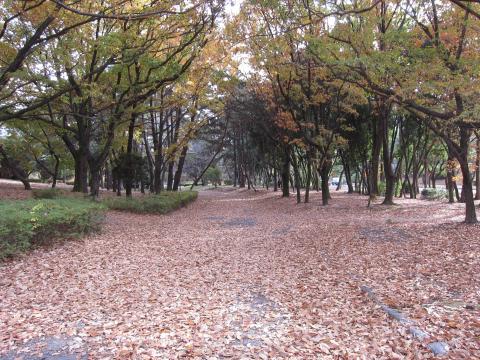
(470,213)
(324,174)
(450,179)
(387,161)
(55,171)
(377,144)
(309,178)
(296,176)
(178,174)
(340,178)
(129,173)
(286,173)
(275,181)
(462,157)
(80,183)
(348,176)
(477,170)
(95,178)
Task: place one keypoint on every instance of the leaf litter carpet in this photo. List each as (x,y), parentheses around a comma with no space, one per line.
(246,275)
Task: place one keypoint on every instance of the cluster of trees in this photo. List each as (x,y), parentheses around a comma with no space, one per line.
(386,88)
(112,91)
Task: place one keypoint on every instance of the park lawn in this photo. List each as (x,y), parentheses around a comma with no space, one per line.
(27,223)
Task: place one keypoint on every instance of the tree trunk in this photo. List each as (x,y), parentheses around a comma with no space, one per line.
(286,173)
(170,175)
(477,170)
(55,171)
(324,171)
(348,175)
(80,183)
(108,176)
(235,165)
(467,190)
(95,179)
(129,173)
(377,144)
(450,165)
(387,161)
(470,214)
(119,186)
(150,162)
(275,181)
(178,173)
(157,175)
(297,176)
(340,178)
(309,178)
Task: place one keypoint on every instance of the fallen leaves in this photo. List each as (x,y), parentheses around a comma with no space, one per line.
(245,275)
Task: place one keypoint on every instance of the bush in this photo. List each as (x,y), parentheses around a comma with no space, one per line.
(154,204)
(213,175)
(51,193)
(27,223)
(434,194)
(228,182)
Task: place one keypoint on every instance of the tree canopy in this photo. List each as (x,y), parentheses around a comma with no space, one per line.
(127,94)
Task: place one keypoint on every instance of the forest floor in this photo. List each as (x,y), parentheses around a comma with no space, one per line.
(239,274)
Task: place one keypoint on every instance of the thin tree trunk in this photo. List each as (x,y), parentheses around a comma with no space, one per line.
(377,144)
(348,175)
(55,171)
(178,173)
(477,170)
(286,173)
(450,165)
(297,176)
(324,174)
(129,166)
(309,178)
(470,213)
(275,180)
(340,178)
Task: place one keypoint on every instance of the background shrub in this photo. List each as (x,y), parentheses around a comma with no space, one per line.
(434,194)
(26,223)
(157,204)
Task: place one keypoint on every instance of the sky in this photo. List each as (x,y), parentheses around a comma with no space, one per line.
(232,7)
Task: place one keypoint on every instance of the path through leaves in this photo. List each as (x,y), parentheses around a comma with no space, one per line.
(250,275)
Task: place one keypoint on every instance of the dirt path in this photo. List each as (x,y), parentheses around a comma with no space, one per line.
(249,275)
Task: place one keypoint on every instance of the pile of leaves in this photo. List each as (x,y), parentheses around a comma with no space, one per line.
(163,203)
(26,223)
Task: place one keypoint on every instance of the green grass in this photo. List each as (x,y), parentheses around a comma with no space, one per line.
(27,223)
(163,203)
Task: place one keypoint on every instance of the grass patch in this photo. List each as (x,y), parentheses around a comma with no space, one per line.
(163,203)
(27,223)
